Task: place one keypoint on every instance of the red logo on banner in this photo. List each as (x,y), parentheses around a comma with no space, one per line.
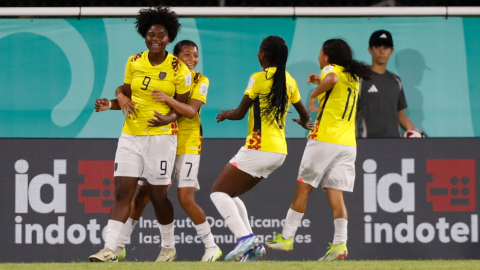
(97,191)
(453,187)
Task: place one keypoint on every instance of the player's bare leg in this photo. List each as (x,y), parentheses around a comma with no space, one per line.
(302,192)
(335,199)
(163,209)
(124,191)
(138,204)
(186,197)
(338,248)
(284,241)
(234,181)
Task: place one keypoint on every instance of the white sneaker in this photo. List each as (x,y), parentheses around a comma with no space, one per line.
(212,254)
(104,255)
(167,255)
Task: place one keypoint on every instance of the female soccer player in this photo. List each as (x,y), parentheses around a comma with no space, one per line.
(329,157)
(268,96)
(187,161)
(146,151)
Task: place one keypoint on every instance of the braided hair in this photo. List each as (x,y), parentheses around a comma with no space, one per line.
(158,15)
(276,52)
(339,53)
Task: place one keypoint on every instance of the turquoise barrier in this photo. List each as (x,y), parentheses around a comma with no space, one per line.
(54,69)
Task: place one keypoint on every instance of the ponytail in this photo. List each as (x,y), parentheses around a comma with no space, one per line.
(359,69)
(339,53)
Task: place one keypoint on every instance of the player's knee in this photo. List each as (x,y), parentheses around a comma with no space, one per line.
(162,200)
(122,194)
(185,197)
(139,200)
(217,195)
(186,201)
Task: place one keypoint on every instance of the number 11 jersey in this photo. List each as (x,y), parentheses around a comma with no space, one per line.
(337,109)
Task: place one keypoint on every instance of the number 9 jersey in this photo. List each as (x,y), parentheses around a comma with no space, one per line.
(337,109)
(171,76)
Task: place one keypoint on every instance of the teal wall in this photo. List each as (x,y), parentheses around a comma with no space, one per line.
(53,69)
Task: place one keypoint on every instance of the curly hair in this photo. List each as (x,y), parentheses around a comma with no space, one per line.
(339,53)
(158,15)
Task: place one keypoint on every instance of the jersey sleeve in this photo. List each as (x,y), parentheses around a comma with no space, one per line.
(184,79)
(200,90)
(128,71)
(326,70)
(252,91)
(402,101)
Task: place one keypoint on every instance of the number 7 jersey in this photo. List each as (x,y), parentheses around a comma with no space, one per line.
(337,109)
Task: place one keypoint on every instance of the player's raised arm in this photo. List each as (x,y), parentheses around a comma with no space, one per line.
(326,84)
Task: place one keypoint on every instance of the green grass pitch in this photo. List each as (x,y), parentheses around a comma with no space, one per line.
(273,265)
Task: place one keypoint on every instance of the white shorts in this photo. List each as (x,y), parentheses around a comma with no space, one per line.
(148,157)
(257,163)
(328,165)
(185,172)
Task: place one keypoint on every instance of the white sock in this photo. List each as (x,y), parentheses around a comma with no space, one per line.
(291,223)
(243,213)
(126,232)
(229,211)
(340,235)
(204,232)
(114,227)
(167,233)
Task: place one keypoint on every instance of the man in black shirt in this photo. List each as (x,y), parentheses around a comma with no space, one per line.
(381,104)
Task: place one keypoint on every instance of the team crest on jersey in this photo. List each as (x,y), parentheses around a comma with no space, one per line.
(162,75)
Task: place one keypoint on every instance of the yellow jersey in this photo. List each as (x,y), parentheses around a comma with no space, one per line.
(337,109)
(264,132)
(189,135)
(172,77)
